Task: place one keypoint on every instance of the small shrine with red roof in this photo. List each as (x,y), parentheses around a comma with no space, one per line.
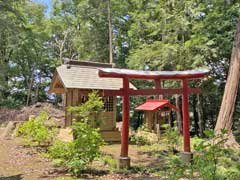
(156,113)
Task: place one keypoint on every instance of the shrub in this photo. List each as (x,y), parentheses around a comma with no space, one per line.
(211,161)
(172,138)
(207,155)
(89,112)
(110,161)
(143,137)
(60,149)
(82,151)
(175,167)
(85,147)
(35,130)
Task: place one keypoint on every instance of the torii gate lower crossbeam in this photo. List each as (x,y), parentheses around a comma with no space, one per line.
(157,76)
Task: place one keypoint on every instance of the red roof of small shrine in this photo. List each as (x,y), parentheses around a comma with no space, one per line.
(154,104)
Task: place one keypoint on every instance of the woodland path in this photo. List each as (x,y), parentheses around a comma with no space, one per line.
(17,163)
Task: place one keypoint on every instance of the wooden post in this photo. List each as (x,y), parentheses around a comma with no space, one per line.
(186,155)
(158,85)
(124,160)
(186,133)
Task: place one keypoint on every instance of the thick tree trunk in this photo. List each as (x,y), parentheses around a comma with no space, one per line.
(225,116)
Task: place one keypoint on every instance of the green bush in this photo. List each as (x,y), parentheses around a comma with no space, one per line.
(79,153)
(143,137)
(211,161)
(60,149)
(207,155)
(89,112)
(85,147)
(175,168)
(35,130)
(171,137)
(110,161)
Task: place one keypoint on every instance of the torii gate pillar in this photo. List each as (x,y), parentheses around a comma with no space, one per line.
(124,160)
(186,154)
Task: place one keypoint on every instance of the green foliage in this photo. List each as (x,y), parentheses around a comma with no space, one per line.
(110,162)
(84,149)
(175,167)
(172,138)
(208,153)
(35,130)
(211,161)
(143,137)
(79,153)
(60,150)
(89,111)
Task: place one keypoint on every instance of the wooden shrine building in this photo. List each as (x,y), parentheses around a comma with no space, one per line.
(75,80)
(156,113)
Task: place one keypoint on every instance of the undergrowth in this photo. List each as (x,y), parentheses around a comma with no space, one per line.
(79,153)
(35,131)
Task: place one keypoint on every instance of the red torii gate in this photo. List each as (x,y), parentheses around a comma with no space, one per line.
(157,76)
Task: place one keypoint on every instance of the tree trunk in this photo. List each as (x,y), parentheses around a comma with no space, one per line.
(110,32)
(195,116)
(178,113)
(30,89)
(225,116)
(200,115)
(36,96)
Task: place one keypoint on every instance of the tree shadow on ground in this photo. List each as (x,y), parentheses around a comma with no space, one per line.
(158,161)
(15,177)
(89,173)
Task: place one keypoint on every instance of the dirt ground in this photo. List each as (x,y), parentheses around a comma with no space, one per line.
(21,163)
(17,162)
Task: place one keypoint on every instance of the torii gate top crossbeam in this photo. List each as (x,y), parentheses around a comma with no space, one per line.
(139,74)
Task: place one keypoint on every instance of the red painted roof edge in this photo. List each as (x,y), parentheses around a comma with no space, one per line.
(166,103)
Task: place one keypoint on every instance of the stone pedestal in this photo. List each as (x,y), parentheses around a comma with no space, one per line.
(123,162)
(187,157)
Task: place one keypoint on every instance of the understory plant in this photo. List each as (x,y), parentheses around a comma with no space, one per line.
(85,147)
(79,153)
(36,132)
(211,160)
(171,138)
(142,136)
(109,161)
(89,111)
(209,154)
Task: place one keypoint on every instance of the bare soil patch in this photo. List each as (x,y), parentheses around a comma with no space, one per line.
(18,162)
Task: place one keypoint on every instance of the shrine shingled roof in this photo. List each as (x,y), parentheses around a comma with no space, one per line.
(84,75)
